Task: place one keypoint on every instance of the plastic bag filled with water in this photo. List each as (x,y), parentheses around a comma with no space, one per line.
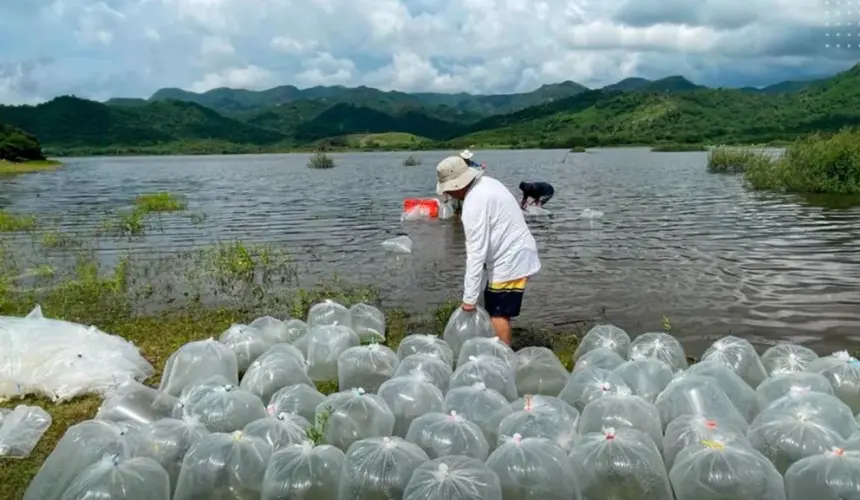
(584,386)
(247,343)
(713,470)
(274,370)
(296,329)
(222,407)
(324,345)
(166,441)
(697,395)
(787,358)
(354,415)
(299,399)
(740,356)
(21,430)
(138,403)
(690,429)
(304,472)
(366,366)
(436,370)
(739,392)
(601,357)
(196,361)
(533,469)
(82,445)
(116,476)
(481,405)
(408,398)
(539,372)
(368,323)
(823,408)
(619,464)
(830,476)
(379,468)
(487,346)
(272,328)
(606,336)
(453,478)
(646,377)
(429,345)
(465,325)
(329,313)
(490,371)
(280,430)
(399,244)
(661,346)
(782,384)
(622,411)
(558,423)
(445,434)
(843,372)
(224,466)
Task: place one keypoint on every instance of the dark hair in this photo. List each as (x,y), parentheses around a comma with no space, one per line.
(522,186)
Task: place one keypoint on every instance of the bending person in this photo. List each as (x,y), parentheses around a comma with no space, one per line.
(540,192)
(467,155)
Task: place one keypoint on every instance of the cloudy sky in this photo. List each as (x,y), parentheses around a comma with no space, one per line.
(130,48)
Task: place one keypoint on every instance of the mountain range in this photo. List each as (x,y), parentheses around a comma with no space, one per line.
(566,114)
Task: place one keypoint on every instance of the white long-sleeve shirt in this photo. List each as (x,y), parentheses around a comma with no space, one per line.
(496,235)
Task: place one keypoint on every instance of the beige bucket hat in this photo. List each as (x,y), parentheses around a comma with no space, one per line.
(452,174)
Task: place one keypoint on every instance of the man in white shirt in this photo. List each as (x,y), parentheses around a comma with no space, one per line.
(496,237)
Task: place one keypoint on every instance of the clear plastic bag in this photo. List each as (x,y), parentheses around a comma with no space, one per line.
(247,343)
(379,468)
(196,361)
(273,329)
(21,430)
(81,446)
(689,429)
(823,408)
(785,438)
(116,476)
(221,407)
(299,399)
(296,329)
(622,411)
(556,422)
(619,464)
(354,415)
(329,313)
(539,372)
(492,372)
(713,470)
(224,466)
(368,323)
(606,336)
(465,325)
(739,392)
(275,369)
(324,345)
(829,476)
(646,377)
(697,395)
(601,357)
(487,346)
(843,372)
(660,346)
(304,472)
(453,478)
(787,358)
(410,397)
(445,434)
(532,469)
(436,370)
(430,345)
(481,405)
(138,403)
(533,211)
(784,383)
(588,384)
(279,431)
(366,366)
(166,441)
(399,244)
(740,356)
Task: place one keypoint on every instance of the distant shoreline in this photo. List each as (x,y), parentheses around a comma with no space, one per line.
(26,167)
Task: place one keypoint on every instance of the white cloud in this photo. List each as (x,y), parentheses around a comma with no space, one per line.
(249,77)
(292,46)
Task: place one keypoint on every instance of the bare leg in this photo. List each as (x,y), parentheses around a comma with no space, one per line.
(503,329)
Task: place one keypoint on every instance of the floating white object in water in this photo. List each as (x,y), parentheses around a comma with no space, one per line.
(400,244)
(536,211)
(590,214)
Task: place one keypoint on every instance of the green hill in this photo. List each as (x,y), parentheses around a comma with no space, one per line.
(18,146)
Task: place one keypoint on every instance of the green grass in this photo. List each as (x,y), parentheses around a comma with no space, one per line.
(27,167)
(577,149)
(727,159)
(411,161)
(160,202)
(10,223)
(677,148)
(321,161)
(387,140)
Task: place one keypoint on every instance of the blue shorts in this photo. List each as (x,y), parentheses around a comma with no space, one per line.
(504,300)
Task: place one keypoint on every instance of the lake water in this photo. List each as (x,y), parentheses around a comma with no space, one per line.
(674,240)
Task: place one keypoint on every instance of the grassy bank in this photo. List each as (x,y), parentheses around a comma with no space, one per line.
(27,167)
(678,148)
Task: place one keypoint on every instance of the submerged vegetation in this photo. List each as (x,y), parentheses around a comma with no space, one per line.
(411,161)
(727,159)
(321,161)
